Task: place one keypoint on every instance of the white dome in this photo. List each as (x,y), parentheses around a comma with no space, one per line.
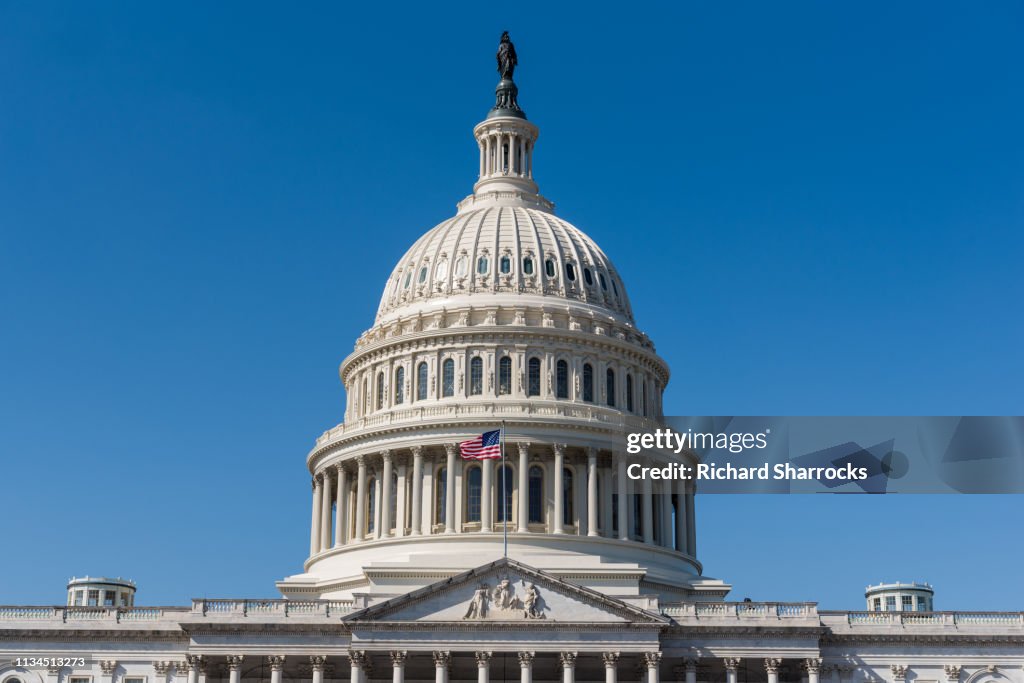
(504,250)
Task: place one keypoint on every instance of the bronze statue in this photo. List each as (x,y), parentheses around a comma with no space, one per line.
(507,59)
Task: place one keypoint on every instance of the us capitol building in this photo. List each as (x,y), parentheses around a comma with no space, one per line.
(504,313)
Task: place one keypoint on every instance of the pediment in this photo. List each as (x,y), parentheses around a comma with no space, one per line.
(504,591)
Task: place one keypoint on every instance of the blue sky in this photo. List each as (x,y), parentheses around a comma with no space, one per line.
(817,209)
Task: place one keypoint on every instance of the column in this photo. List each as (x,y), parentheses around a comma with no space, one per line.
(483,663)
(318,662)
(522,156)
(681,516)
(481,145)
(666,513)
(417,490)
(525,667)
(398,666)
(647,509)
(611,661)
(401,514)
(559,516)
(449,495)
(691,526)
(377,479)
(234,668)
(813,670)
(314,528)
(357,662)
(360,499)
(109,669)
(486,486)
(605,475)
(524,486)
(732,664)
(652,660)
(592,492)
(276,663)
(160,671)
(771,666)
(441,662)
(340,503)
(193,663)
(568,660)
(690,667)
(325,512)
(620,460)
(385,496)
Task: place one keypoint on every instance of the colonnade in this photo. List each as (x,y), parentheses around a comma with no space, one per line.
(550,489)
(505,153)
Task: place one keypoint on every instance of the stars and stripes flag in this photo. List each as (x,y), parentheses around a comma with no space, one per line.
(483,447)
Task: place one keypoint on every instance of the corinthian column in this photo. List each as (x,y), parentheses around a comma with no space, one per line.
(357,661)
(318,662)
(325,512)
(620,461)
(234,668)
(417,490)
(160,669)
(442,660)
(524,487)
(732,664)
(385,497)
(611,661)
(360,499)
(592,492)
(340,503)
(568,661)
(276,663)
(556,525)
(648,509)
(652,660)
(449,491)
(483,663)
(398,666)
(771,666)
(314,528)
(813,670)
(525,667)
(681,516)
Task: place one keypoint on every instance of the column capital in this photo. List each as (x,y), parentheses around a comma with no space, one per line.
(591,452)
(315,481)
(482,658)
(357,658)
(731,663)
(386,455)
(318,662)
(558,448)
(442,658)
(340,469)
(107,666)
(772,665)
(524,447)
(197,662)
(952,672)
(451,449)
(899,671)
(361,460)
(568,659)
(182,666)
(398,657)
(234,661)
(690,664)
(610,659)
(525,659)
(813,664)
(417,451)
(652,659)
(276,662)
(161,668)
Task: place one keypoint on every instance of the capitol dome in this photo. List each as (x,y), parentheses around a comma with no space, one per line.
(503,317)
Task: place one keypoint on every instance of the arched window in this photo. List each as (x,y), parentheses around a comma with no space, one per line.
(440,496)
(448,378)
(364,400)
(570,272)
(399,385)
(567,489)
(588,382)
(482,264)
(562,379)
(423,275)
(473,489)
(441,272)
(609,381)
(380,390)
(505,375)
(505,264)
(604,283)
(533,377)
(421,381)
(629,393)
(614,288)
(371,505)
(504,493)
(476,376)
(536,495)
(408,279)
(528,266)
(588,277)
(549,268)
(460,267)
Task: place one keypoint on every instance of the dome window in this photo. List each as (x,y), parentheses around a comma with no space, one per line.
(614,288)
(604,283)
(448,378)
(562,379)
(588,277)
(476,376)
(399,385)
(482,265)
(408,279)
(423,275)
(505,376)
(528,266)
(505,265)
(610,387)
(549,268)
(460,267)
(570,272)
(533,377)
(588,382)
(421,382)
(442,271)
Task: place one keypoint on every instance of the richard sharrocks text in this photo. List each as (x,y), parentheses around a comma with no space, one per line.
(766,471)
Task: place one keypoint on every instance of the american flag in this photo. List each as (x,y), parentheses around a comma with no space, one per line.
(483,447)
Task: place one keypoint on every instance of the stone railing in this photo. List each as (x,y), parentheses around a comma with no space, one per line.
(208,607)
(88,614)
(718,611)
(931,618)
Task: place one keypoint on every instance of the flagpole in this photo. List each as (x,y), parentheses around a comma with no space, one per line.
(504,489)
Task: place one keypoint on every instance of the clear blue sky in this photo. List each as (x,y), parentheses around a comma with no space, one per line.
(817,209)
